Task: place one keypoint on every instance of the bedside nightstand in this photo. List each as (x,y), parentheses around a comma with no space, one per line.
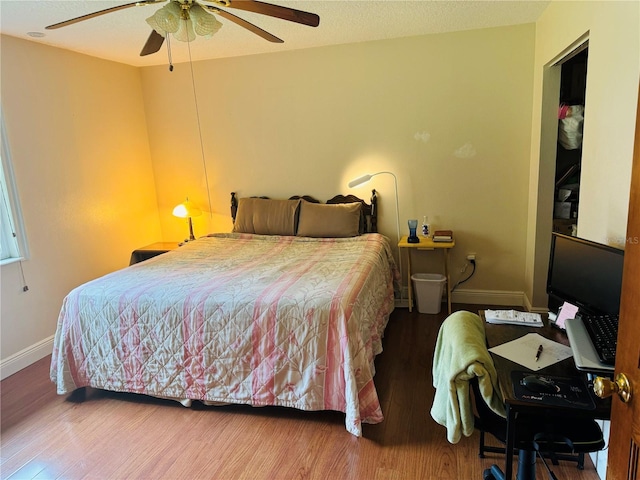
(150,251)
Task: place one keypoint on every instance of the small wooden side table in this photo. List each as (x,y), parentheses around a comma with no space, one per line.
(150,251)
(426,244)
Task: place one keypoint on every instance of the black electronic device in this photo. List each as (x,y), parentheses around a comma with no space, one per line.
(603,332)
(551,390)
(588,275)
(539,384)
(584,273)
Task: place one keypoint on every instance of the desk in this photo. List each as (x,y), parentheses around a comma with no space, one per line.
(498,334)
(427,244)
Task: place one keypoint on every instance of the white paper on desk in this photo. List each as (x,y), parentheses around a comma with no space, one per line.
(523,351)
(512,317)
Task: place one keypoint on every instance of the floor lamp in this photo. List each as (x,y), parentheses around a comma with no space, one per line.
(364,179)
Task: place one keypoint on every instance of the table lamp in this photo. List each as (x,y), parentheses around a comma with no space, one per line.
(187,210)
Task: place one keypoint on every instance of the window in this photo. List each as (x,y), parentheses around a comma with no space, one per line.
(12,239)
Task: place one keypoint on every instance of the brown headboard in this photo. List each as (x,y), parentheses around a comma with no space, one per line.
(369,217)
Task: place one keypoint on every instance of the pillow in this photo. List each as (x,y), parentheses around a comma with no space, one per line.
(334,220)
(265,216)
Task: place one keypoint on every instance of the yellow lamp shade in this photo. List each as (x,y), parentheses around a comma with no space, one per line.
(186,209)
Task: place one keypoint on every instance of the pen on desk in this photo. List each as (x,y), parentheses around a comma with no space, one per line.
(538,352)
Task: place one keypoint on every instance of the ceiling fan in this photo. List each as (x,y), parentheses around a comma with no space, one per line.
(186,18)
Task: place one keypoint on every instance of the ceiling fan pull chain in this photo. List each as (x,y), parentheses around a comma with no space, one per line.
(169,52)
(195,101)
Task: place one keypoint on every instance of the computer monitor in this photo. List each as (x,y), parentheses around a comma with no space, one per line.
(584,273)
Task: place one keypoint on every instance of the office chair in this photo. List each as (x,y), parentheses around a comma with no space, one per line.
(550,434)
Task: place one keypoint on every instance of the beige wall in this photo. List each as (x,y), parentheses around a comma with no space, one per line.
(307,122)
(613,71)
(78,138)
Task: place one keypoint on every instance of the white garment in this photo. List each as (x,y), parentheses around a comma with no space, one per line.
(570,128)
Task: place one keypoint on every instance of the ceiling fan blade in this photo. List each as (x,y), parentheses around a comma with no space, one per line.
(243,23)
(101,12)
(285,13)
(153,44)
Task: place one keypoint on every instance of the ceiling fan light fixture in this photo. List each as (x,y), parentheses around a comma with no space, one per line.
(205,24)
(185,31)
(184,20)
(166,19)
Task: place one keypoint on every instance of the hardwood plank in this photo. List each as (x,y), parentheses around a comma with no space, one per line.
(110,435)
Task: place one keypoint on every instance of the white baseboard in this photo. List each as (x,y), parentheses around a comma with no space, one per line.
(600,458)
(24,358)
(488,297)
(402,303)
(481,297)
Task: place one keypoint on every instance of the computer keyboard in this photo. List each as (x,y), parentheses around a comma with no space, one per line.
(603,332)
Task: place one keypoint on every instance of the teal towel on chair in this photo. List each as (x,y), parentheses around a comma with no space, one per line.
(461,354)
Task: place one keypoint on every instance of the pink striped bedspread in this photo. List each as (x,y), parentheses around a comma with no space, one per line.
(237,318)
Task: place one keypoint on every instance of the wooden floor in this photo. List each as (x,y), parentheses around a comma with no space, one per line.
(115,436)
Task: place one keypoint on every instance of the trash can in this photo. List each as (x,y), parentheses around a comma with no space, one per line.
(427,289)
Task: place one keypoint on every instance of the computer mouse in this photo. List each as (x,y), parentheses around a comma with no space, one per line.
(537,384)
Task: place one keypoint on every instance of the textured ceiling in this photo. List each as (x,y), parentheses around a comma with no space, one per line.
(119,36)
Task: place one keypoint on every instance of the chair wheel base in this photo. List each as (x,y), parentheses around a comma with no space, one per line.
(493,473)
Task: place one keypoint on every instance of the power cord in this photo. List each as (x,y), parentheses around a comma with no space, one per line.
(460,282)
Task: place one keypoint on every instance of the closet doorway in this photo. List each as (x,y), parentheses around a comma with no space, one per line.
(571,107)
(564,78)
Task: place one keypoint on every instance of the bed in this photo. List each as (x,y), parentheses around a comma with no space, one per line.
(289,309)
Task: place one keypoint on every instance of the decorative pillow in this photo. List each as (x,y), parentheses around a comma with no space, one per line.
(335,220)
(265,216)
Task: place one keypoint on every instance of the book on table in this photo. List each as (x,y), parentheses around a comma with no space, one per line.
(443,236)
(513,317)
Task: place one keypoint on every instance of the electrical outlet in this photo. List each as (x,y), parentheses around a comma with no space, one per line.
(471,257)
